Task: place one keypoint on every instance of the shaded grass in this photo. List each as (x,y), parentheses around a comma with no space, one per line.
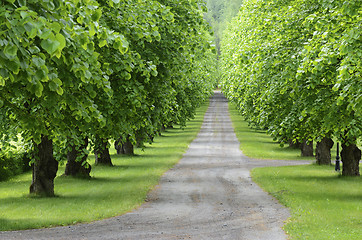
(323,204)
(258,144)
(110,192)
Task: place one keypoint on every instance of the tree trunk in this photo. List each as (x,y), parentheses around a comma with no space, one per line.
(306,149)
(127,147)
(124,148)
(140,141)
(151,137)
(45,169)
(163,128)
(77,165)
(101,152)
(118,146)
(323,151)
(350,156)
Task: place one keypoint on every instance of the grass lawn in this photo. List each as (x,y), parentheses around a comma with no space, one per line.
(112,191)
(323,204)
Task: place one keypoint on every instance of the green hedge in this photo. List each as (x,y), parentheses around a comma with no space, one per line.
(13,163)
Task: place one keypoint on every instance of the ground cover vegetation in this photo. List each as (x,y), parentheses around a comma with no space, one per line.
(313,193)
(293,68)
(75,75)
(323,204)
(111,191)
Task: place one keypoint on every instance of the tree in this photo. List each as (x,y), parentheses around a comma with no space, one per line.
(290,76)
(218,14)
(79,70)
(47,64)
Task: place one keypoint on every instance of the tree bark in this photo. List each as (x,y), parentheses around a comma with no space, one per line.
(101,152)
(124,148)
(350,156)
(77,165)
(323,151)
(118,146)
(127,147)
(140,139)
(45,168)
(306,149)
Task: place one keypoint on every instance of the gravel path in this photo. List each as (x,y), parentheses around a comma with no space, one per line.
(208,195)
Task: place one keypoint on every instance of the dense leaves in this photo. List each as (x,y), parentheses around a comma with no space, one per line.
(294,68)
(106,69)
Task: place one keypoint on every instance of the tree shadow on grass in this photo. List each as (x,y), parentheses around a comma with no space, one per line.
(95,181)
(337,182)
(321,195)
(14,184)
(13,224)
(79,203)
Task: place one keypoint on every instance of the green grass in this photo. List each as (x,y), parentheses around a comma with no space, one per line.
(323,204)
(257,144)
(112,191)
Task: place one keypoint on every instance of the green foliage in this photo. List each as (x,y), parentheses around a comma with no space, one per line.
(257,144)
(13,162)
(110,191)
(87,68)
(43,87)
(323,205)
(293,68)
(154,82)
(219,14)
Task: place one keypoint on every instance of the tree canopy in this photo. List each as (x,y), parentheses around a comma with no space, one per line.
(95,69)
(294,68)
(219,13)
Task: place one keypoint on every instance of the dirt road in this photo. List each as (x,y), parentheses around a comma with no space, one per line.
(208,195)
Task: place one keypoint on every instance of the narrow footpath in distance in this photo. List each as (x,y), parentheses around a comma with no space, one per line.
(208,195)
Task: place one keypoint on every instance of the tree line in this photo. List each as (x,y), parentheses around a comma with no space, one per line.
(76,74)
(294,68)
(219,13)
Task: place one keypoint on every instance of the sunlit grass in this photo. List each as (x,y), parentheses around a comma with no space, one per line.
(323,204)
(110,192)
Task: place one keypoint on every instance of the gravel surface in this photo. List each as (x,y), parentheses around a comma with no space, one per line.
(208,195)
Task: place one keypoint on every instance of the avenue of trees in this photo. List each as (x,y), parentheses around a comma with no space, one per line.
(76,75)
(294,68)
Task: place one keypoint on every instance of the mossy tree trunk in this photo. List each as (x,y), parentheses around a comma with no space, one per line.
(45,168)
(323,151)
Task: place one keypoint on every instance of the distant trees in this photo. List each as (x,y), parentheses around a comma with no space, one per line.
(294,69)
(219,13)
